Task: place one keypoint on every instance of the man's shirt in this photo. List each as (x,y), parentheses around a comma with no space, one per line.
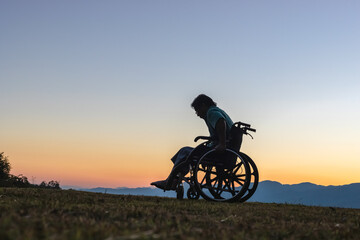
(212,117)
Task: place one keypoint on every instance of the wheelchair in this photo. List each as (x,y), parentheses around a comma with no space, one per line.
(227,176)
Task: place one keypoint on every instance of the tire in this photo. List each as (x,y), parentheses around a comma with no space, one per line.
(254,178)
(222,177)
(192,193)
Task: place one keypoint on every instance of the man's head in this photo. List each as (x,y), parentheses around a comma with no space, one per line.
(201,105)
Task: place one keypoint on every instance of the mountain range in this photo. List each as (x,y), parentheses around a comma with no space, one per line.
(346,196)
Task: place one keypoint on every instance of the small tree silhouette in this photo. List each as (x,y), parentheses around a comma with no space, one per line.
(4,167)
(43,184)
(54,184)
(9,180)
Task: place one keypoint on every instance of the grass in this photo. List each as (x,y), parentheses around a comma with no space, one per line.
(68,214)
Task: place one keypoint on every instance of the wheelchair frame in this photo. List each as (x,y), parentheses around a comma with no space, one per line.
(229,176)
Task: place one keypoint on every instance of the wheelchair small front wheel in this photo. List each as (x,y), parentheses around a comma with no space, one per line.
(192,193)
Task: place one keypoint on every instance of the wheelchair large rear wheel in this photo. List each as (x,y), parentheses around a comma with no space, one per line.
(222,177)
(254,174)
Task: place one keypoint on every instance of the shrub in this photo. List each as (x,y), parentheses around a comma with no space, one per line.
(9,180)
(4,166)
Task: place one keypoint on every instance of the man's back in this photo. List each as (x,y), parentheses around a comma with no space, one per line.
(214,114)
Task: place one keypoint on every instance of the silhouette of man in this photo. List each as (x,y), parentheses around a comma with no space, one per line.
(219,125)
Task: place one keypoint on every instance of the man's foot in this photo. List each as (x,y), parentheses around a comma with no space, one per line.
(162,184)
(159,184)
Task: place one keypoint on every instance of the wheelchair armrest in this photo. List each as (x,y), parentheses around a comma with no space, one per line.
(202,137)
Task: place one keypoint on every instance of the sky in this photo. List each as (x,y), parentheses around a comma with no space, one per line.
(98,93)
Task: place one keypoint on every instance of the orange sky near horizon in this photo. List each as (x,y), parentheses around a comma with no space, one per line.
(110,170)
(120,161)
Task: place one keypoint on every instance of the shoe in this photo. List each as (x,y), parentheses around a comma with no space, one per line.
(159,184)
(163,184)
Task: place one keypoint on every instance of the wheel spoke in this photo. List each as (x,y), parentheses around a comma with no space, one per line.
(227,184)
(237,180)
(215,178)
(219,188)
(240,179)
(240,175)
(233,185)
(219,191)
(232,188)
(215,183)
(238,166)
(202,181)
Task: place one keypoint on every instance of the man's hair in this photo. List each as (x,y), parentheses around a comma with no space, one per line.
(202,99)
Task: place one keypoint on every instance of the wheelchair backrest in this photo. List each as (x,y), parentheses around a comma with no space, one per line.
(236,136)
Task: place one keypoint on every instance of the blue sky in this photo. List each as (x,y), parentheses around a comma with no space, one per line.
(113,75)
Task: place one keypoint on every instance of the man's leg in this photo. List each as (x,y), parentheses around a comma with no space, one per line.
(177,159)
(181,166)
(181,155)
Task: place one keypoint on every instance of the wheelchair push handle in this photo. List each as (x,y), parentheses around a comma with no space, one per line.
(251,129)
(202,137)
(239,124)
(245,126)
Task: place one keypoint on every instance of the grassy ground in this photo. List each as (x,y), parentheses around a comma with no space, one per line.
(67,214)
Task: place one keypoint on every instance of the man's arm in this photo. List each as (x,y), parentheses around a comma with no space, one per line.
(220,129)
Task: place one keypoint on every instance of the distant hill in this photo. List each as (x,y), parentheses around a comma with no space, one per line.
(347,196)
